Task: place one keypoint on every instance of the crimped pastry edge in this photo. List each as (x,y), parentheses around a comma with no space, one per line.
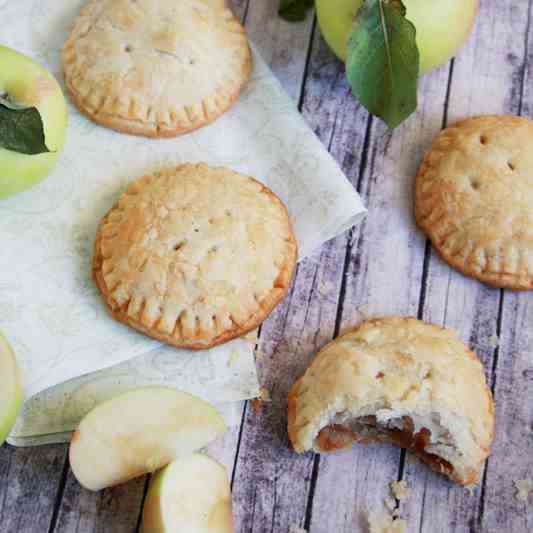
(286,274)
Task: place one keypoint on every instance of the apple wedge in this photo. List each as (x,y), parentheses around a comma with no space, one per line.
(10,389)
(139,432)
(190,495)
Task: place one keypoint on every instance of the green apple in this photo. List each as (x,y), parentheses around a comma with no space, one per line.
(138,432)
(10,389)
(30,85)
(442,27)
(190,495)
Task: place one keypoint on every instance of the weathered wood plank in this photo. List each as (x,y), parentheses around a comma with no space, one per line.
(282,45)
(512,457)
(384,276)
(486,79)
(272,483)
(30,479)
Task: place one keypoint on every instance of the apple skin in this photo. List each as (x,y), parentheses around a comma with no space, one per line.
(138,432)
(30,84)
(442,27)
(11,395)
(190,495)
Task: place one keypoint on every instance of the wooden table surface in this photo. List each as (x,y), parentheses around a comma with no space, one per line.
(384,266)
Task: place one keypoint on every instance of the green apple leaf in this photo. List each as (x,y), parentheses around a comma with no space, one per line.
(21,129)
(294,10)
(383,63)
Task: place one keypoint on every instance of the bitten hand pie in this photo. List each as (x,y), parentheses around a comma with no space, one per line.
(157,68)
(194,256)
(397,380)
(474,199)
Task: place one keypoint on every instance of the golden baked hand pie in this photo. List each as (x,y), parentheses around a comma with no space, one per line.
(158,68)
(397,380)
(194,256)
(474,199)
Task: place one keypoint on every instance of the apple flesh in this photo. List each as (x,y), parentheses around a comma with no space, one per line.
(190,495)
(29,84)
(442,27)
(139,432)
(10,389)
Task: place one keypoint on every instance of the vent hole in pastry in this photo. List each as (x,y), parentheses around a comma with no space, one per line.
(178,246)
(511,166)
(475,184)
(143,266)
(433,446)
(483,140)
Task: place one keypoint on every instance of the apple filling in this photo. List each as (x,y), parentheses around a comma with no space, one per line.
(424,435)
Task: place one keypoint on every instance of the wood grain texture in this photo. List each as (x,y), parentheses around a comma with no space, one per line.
(30,480)
(272,484)
(486,79)
(385,266)
(385,260)
(512,457)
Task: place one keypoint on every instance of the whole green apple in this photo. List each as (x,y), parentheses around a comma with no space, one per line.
(30,85)
(441,27)
(10,389)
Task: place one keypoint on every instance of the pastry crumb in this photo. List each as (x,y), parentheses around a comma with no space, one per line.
(390,504)
(264,397)
(265,394)
(400,489)
(385,523)
(252,336)
(326,288)
(494,341)
(523,489)
(364,311)
(296,529)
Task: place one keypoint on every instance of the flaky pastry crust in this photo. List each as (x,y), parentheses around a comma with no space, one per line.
(157,68)
(397,380)
(474,199)
(194,256)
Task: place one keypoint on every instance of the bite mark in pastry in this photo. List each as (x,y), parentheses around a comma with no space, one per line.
(397,380)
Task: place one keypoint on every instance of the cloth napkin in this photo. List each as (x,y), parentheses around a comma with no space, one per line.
(71,353)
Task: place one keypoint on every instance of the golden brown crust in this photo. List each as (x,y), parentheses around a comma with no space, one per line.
(177,257)
(474,199)
(157,69)
(403,370)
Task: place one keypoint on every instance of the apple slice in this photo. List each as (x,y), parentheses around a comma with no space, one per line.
(139,432)
(190,495)
(10,389)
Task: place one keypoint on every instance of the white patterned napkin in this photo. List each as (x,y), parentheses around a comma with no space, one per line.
(50,310)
